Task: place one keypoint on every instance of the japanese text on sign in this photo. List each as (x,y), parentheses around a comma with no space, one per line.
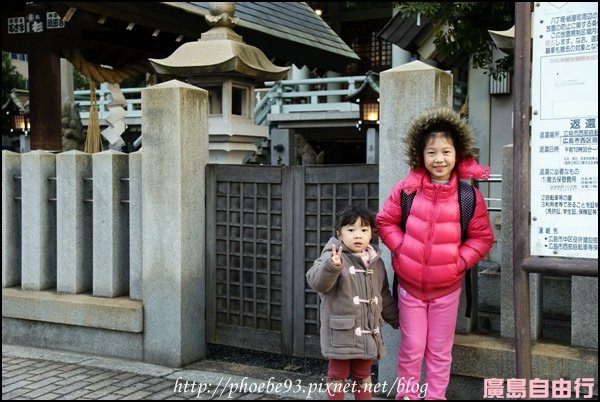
(564,130)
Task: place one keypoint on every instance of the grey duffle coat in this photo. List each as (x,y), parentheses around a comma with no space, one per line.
(354,302)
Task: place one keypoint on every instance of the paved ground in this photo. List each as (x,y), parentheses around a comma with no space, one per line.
(31,373)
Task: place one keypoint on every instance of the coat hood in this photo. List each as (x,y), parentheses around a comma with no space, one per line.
(447,118)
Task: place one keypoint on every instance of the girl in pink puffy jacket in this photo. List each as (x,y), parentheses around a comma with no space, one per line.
(430,258)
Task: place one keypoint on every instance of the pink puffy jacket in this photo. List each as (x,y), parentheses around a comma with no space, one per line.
(429,259)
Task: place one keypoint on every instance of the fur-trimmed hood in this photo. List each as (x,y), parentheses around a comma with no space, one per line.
(421,125)
(447,118)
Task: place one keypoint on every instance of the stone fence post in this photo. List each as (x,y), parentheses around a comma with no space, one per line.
(111,225)
(174,158)
(74,223)
(135,226)
(406,91)
(507,305)
(38,215)
(11,219)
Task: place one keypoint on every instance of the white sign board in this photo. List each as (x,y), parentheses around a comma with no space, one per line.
(564,130)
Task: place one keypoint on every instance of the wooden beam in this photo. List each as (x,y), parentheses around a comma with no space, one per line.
(44,97)
(521,188)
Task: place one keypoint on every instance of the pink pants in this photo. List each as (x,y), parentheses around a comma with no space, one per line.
(427,330)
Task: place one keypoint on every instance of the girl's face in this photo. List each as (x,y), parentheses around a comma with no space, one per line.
(356,236)
(439,156)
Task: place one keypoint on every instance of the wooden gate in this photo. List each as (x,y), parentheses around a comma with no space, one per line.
(265,227)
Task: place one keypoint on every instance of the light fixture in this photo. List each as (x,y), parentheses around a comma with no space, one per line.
(20,123)
(369,110)
(367,97)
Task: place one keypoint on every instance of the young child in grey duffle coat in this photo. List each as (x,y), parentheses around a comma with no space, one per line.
(351,279)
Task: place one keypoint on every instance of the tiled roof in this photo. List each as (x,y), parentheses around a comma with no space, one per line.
(406,32)
(308,39)
(414,34)
(114,33)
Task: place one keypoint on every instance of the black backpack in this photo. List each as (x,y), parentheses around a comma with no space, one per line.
(466,201)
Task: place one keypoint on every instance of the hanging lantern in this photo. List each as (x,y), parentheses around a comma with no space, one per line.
(369,111)
(20,123)
(367,97)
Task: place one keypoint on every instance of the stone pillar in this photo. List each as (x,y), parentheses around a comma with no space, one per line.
(333,86)
(302,73)
(507,309)
(38,224)
(174,158)
(74,222)
(66,82)
(372,145)
(406,91)
(11,219)
(111,224)
(584,312)
(283,147)
(135,226)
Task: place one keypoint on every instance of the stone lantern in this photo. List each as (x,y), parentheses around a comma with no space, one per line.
(229,70)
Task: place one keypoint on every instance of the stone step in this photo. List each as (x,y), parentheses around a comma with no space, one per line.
(556,330)
(476,357)
(556,297)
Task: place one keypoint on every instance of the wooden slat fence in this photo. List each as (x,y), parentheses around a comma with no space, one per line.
(265,227)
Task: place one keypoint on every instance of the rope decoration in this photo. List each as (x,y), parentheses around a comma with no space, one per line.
(98,74)
(101,74)
(93,143)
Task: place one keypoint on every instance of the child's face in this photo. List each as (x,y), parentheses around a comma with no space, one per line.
(356,236)
(439,156)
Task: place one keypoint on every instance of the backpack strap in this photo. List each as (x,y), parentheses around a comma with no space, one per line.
(466,202)
(406,201)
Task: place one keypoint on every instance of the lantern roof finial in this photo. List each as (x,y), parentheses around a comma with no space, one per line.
(221,15)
